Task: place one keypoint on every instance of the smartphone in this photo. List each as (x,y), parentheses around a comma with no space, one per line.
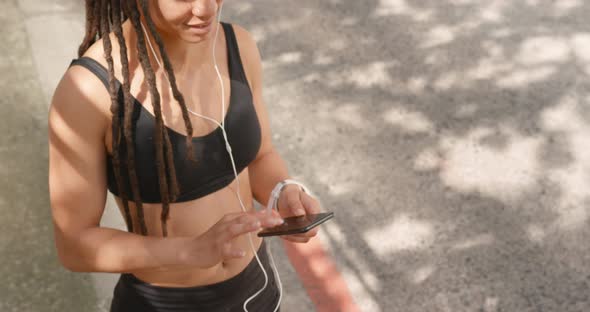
(297,224)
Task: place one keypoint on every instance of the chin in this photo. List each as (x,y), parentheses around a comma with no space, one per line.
(195,39)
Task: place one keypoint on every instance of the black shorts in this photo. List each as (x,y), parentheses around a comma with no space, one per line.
(132,294)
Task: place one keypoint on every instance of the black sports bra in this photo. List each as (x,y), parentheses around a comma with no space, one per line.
(213,169)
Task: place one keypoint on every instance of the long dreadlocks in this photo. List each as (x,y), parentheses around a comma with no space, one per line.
(104,17)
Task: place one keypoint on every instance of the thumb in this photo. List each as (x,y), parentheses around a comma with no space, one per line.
(295,205)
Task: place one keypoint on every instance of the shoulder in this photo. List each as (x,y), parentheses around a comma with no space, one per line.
(96,51)
(249,52)
(82,78)
(81,96)
(244,37)
(76,120)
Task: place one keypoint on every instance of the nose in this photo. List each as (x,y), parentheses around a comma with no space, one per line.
(204,9)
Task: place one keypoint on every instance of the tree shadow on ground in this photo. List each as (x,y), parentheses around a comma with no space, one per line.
(449,137)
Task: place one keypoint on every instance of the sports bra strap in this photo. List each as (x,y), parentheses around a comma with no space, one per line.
(235,65)
(96,68)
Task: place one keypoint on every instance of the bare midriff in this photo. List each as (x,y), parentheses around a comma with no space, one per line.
(193,218)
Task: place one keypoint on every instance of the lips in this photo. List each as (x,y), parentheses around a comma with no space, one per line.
(202,25)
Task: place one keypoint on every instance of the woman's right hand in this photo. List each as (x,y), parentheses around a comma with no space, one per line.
(218,243)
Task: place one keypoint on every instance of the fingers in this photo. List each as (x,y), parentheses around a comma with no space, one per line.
(266,220)
(237,229)
(300,203)
(232,216)
(295,205)
(313,232)
(296,239)
(269,220)
(233,225)
(233,231)
(228,252)
(273,212)
(248,222)
(312,206)
(309,234)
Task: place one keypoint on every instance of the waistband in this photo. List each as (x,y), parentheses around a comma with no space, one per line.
(227,295)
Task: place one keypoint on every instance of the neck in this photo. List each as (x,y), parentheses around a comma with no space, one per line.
(184,56)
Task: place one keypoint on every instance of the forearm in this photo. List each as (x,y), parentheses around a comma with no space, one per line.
(265,172)
(109,250)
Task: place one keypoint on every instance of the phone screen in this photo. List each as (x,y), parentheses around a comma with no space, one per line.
(299,224)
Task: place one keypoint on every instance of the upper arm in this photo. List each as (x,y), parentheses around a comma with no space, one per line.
(253,67)
(77,176)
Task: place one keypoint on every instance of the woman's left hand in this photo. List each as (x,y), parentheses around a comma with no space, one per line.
(295,202)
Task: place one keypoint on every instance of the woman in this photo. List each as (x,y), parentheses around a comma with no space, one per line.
(124,117)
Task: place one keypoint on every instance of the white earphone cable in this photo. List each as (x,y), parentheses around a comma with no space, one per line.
(229,150)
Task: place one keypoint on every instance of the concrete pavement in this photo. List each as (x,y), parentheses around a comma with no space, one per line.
(31,278)
(450,138)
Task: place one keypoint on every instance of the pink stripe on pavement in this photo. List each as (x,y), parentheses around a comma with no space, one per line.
(320,277)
